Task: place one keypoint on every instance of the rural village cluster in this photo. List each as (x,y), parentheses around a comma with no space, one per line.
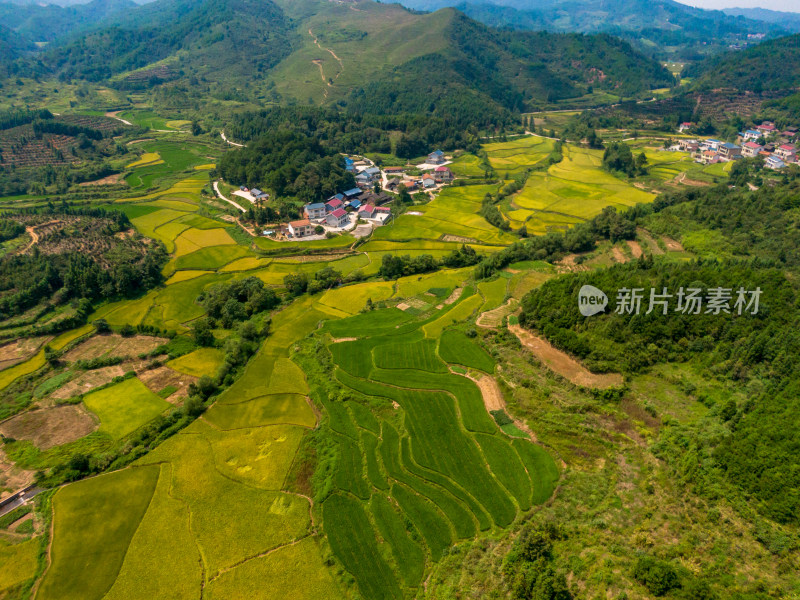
(363,207)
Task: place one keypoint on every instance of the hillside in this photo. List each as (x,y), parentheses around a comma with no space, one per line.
(383,56)
(215,40)
(787,20)
(772,65)
(45,23)
(663,26)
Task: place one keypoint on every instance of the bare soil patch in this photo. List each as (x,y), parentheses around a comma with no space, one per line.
(492,396)
(87,381)
(349,339)
(113,345)
(562,363)
(672,245)
(459,239)
(652,245)
(618,255)
(12,478)
(49,427)
(569,264)
(164,377)
(115,179)
(636,249)
(454,296)
(20,350)
(403,306)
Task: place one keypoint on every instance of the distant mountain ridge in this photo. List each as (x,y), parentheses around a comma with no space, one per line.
(389,58)
(788,20)
(651,23)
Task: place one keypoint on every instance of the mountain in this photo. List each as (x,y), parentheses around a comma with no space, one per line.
(45,23)
(215,39)
(315,51)
(787,20)
(772,65)
(660,25)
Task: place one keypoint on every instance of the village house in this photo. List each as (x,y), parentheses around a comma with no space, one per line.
(443,175)
(708,157)
(390,171)
(730,151)
(382,214)
(316,211)
(258,195)
(368,176)
(711,144)
(688,145)
(685,127)
(338,218)
(786,152)
(333,204)
(410,184)
(300,228)
(766,128)
(354,204)
(351,194)
(349,164)
(428,182)
(751,135)
(366,212)
(436,158)
(751,149)
(774,162)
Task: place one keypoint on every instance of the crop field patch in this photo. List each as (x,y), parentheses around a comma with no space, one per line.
(17,562)
(460,312)
(420,355)
(114,345)
(110,508)
(203,361)
(456,348)
(494,292)
(352,298)
(294,571)
(212,257)
(352,538)
(261,411)
(124,407)
(246,264)
(180,276)
(408,555)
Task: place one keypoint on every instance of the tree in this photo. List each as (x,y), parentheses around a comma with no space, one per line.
(202,334)
(296,283)
(101,326)
(657,576)
(403,195)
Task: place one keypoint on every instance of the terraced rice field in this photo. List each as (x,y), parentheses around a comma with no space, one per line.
(444,465)
(571,191)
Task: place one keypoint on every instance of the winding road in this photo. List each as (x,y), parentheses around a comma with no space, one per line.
(221,197)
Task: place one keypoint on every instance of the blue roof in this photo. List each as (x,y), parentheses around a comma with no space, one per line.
(730,146)
(753,131)
(339,196)
(355,203)
(437,153)
(348,161)
(353,192)
(315,206)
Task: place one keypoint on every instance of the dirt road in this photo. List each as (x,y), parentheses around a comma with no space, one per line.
(221,197)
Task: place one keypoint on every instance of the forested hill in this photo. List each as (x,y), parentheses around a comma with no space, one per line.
(772,65)
(45,23)
(381,57)
(217,39)
(653,23)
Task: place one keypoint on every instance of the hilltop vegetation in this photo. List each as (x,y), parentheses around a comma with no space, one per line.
(772,65)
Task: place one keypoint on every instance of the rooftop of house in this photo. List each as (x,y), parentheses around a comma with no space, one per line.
(436,153)
(315,206)
(339,213)
(301,223)
(335,203)
(752,145)
(788,147)
(352,192)
(442,169)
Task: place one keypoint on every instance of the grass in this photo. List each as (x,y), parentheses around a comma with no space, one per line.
(124,407)
(111,508)
(204,361)
(457,348)
(352,539)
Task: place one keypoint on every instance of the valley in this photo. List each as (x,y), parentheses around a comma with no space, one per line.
(289,307)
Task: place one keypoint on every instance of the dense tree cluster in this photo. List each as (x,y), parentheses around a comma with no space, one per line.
(288,164)
(238,301)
